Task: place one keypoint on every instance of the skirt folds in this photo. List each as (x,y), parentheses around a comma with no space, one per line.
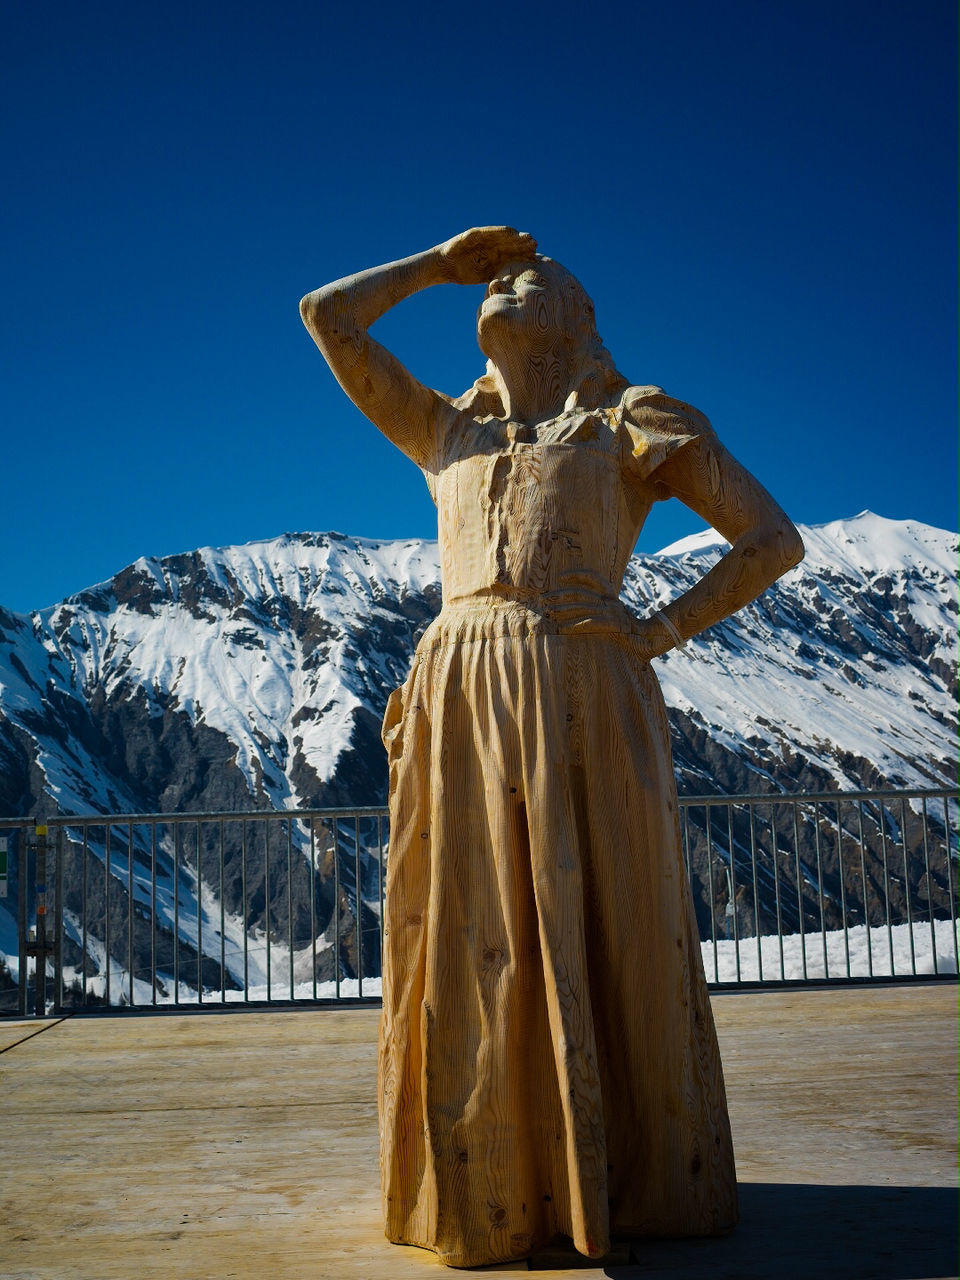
(548,1059)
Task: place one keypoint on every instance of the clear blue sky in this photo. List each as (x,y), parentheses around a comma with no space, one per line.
(760,197)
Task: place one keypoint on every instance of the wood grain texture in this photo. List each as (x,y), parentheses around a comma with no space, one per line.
(202,1145)
(548,1059)
(548,1062)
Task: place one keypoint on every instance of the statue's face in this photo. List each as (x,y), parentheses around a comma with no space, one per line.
(522,305)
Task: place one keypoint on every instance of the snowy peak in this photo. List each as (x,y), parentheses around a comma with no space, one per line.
(251,676)
(865,544)
(868,546)
(849,660)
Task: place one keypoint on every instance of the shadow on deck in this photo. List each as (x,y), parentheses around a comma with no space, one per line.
(206,1145)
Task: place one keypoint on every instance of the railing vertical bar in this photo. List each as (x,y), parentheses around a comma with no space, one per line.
(106,908)
(59,990)
(130,917)
(176,912)
(23,874)
(42,888)
(223,923)
(266,899)
(153,913)
(823,918)
(313,904)
(756,890)
(359,929)
(843,890)
(906,883)
(707,814)
(926,871)
(42,907)
(290,897)
(863,880)
(380,887)
(336,904)
(243,909)
(83,909)
(733,888)
(796,853)
(953,901)
(776,887)
(685,841)
(886,886)
(199,920)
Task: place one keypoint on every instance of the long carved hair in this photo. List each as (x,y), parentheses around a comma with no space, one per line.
(596,381)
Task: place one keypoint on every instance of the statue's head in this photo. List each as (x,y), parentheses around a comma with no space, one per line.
(532,303)
(530,307)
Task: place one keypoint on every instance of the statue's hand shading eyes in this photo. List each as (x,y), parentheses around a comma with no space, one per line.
(475,256)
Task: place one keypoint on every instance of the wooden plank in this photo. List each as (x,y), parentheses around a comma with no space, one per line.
(12,1033)
(843,1085)
(204,1145)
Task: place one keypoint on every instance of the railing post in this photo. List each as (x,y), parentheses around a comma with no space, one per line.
(23,872)
(58,991)
(41,945)
(40,973)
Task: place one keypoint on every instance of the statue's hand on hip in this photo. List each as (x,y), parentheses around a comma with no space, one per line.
(652,637)
(475,256)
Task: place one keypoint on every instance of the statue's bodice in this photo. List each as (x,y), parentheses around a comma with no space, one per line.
(554,510)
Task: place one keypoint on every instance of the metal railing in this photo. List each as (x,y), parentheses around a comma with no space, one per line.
(824,886)
(146,910)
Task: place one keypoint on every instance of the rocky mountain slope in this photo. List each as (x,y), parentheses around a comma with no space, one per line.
(255,677)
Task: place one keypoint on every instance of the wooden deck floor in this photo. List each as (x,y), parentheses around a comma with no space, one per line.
(244,1145)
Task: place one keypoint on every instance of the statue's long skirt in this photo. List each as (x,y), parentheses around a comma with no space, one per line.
(548,1057)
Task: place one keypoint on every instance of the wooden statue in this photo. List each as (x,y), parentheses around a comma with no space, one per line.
(548,1059)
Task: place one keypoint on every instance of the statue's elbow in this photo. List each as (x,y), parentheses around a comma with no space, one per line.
(311,310)
(318,312)
(792,549)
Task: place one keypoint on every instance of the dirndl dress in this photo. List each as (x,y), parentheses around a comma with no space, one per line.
(548,1061)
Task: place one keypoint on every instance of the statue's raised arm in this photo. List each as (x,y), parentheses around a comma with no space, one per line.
(339,315)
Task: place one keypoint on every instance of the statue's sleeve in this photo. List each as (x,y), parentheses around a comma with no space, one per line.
(654,426)
(432,466)
(446,442)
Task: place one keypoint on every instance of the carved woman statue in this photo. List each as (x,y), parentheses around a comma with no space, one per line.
(548,1058)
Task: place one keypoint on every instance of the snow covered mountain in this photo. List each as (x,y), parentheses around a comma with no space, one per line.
(256,676)
(842,675)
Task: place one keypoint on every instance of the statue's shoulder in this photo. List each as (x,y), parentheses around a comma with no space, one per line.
(653,409)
